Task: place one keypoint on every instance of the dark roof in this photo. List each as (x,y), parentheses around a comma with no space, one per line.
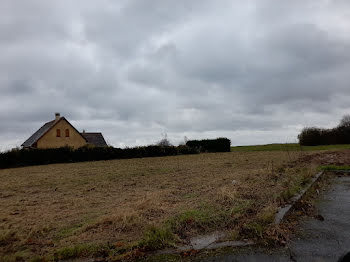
(95,139)
(42,130)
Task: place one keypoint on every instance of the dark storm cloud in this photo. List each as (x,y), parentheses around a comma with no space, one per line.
(256,72)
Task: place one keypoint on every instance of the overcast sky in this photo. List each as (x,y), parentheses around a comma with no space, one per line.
(253,71)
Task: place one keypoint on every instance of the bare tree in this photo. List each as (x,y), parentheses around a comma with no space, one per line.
(165,141)
(345,121)
(183,143)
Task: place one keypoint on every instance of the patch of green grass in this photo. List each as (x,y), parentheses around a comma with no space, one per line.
(333,167)
(286,147)
(157,238)
(241,206)
(199,220)
(326,147)
(191,221)
(292,190)
(256,228)
(269,147)
(75,228)
(295,184)
(69,231)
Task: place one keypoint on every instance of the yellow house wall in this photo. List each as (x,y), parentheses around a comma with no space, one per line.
(49,140)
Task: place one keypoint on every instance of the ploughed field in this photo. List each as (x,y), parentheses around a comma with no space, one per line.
(112,208)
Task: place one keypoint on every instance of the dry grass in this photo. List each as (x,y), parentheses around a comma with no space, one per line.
(47,208)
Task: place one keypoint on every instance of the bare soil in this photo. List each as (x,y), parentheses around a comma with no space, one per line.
(336,158)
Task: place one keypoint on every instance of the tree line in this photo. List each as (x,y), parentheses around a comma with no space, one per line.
(314,136)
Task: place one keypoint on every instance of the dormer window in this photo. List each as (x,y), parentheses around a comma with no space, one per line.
(58,132)
(67,132)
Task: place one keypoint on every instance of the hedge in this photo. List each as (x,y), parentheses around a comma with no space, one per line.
(29,157)
(211,145)
(314,136)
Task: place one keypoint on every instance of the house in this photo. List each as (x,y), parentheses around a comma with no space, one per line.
(95,139)
(59,132)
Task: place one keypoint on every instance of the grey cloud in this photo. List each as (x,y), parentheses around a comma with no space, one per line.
(136,69)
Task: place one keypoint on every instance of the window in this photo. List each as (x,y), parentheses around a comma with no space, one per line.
(67,132)
(58,132)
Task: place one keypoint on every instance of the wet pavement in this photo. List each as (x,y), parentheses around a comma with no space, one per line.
(319,240)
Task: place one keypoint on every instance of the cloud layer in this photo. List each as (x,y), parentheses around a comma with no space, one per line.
(255,72)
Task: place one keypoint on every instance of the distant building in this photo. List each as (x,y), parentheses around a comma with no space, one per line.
(59,132)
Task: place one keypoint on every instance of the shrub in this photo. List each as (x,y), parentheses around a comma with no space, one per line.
(313,136)
(28,157)
(316,136)
(310,136)
(211,145)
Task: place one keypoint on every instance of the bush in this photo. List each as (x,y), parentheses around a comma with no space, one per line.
(211,145)
(29,157)
(316,136)
(310,136)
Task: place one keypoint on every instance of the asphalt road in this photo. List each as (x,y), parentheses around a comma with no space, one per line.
(319,240)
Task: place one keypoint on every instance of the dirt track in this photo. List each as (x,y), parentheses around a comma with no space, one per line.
(337,158)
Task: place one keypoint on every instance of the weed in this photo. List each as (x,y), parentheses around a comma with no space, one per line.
(256,228)
(289,193)
(202,220)
(227,195)
(267,215)
(234,235)
(38,233)
(240,207)
(306,179)
(253,230)
(157,238)
(294,184)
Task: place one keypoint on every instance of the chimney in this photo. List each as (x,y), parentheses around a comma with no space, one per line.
(57,116)
(83,131)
